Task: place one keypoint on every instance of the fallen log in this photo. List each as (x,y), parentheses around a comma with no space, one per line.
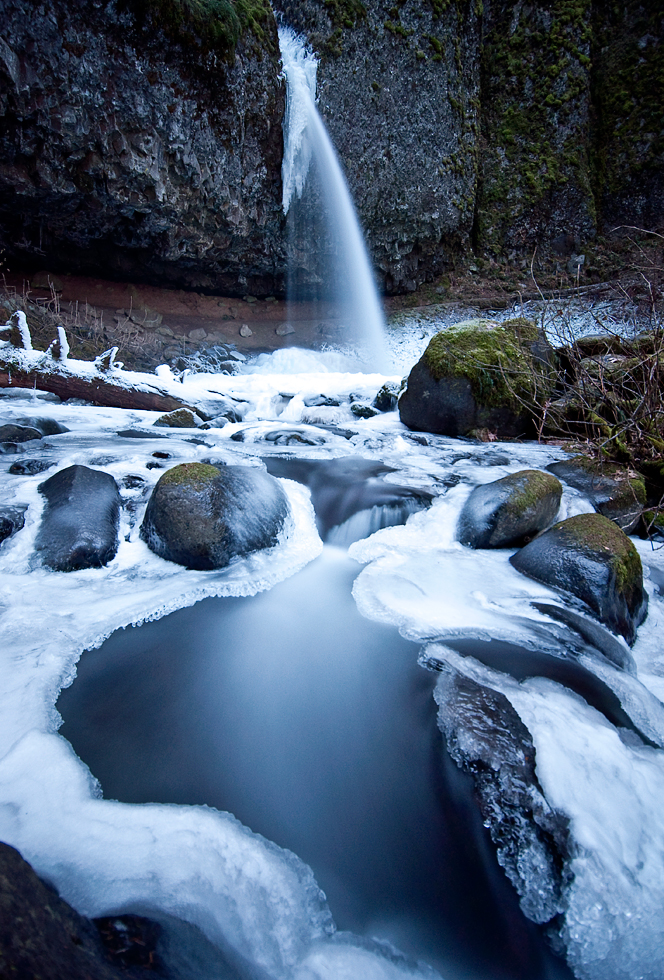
(69,378)
(98,391)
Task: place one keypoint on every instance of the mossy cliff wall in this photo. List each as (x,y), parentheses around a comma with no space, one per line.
(142,139)
(572,138)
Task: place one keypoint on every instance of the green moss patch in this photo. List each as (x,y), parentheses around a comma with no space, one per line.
(533,486)
(195,474)
(213,25)
(495,358)
(594,534)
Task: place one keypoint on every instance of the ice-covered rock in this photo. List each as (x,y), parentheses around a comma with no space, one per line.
(79,527)
(486,738)
(47,426)
(203,517)
(506,512)
(591,558)
(12,519)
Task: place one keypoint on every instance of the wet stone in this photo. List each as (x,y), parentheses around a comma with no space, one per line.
(612,489)
(79,527)
(11,432)
(361,411)
(12,519)
(591,558)
(29,467)
(203,517)
(507,512)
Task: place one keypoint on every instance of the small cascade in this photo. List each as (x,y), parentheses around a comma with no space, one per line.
(366,522)
(330,238)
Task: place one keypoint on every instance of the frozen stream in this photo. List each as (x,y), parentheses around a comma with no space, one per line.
(596,759)
(317,729)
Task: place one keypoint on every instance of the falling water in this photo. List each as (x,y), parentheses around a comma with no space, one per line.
(347,279)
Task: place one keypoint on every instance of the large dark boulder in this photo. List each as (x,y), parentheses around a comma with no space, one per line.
(479,374)
(41,936)
(613,490)
(591,558)
(79,527)
(203,517)
(506,512)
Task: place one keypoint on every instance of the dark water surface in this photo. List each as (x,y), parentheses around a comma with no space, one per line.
(317,729)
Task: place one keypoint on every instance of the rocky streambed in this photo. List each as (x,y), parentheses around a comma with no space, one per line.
(556,721)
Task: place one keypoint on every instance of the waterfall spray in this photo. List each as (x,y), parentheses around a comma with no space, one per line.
(348,276)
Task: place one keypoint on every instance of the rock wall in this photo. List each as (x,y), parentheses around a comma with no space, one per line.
(131,148)
(571,140)
(126,153)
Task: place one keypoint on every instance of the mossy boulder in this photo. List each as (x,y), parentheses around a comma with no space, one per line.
(508,512)
(614,491)
(479,374)
(181,418)
(591,558)
(202,516)
(79,526)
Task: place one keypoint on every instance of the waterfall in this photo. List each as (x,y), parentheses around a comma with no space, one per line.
(347,278)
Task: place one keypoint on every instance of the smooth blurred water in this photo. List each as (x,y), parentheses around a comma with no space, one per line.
(316,728)
(346,277)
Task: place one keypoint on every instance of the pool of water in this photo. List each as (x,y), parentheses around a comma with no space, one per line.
(317,729)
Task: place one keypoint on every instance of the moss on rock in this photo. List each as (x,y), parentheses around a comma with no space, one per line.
(590,557)
(213,25)
(181,418)
(601,538)
(494,357)
(189,473)
(614,490)
(510,511)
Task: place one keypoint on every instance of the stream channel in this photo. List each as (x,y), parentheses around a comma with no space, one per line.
(316,728)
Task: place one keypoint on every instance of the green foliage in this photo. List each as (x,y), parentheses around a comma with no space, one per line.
(345,13)
(398,29)
(213,25)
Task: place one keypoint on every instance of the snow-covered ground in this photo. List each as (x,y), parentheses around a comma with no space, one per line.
(257,901)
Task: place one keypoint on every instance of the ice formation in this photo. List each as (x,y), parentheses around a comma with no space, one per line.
(261,904)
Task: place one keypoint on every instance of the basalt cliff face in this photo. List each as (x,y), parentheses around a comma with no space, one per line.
(127,154)
(130,151)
